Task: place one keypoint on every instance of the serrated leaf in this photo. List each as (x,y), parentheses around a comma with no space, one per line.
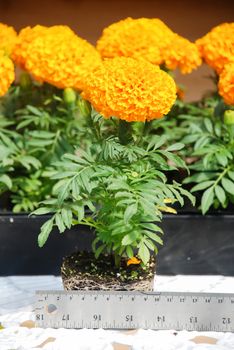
(42,211)
(228,185)
(208,125)
(34,110)
(28,161)
(175,147)
(46,229)
(66,215)
(144,253)
(222,159)
(129,251)
(41,134)
(231,175)
(220,194)
(130,212)
(202,186)
(154,237)
(99,250)
(130,238)
(207,199)
(6,180)
(59,222)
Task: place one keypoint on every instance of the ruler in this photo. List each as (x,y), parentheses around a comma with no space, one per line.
(131,310)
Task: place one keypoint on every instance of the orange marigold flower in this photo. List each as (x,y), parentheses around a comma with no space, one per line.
(7,74)
(182,54)
(143,38)
(8,37)
(132,90)
(25,37)
(56,55)
(217,46)
(149,39)
(226,84)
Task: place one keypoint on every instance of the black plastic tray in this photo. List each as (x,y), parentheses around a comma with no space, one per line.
(193,244)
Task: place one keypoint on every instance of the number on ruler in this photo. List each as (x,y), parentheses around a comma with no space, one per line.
(97,317)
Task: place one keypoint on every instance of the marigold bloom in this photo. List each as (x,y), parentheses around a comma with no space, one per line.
(25,37)
(226,84)
(7,74)
(217,46)
(149,39)
(138,38)
(182,54)
(8,37)
(132,90)
(56,55)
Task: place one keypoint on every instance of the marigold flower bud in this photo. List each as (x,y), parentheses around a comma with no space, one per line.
(229,117)
(69,96)
(84,107)
(25,81)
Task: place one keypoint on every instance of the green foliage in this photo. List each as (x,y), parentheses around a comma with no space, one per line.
(123,184)
(37,126)
(209,151)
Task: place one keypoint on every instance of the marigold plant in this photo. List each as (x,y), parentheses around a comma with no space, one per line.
(217,46)
(149,39)
(56,55)
(129,89)
(8,37)
(226,84)
(7,74)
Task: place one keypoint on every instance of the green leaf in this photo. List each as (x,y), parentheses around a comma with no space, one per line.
(208,125)
(28,161)
(59,222)
(67,217)
(202,186)
(130,238)
(5,179)
(99,250)
(175,147)
(207,199)
(45,232)
(41,134)
(154,237)
(42,211)
(129,251)
(222,159)
(231,175)
(34,110)
(220,194)
(144,253)
(228,185)
(129,212)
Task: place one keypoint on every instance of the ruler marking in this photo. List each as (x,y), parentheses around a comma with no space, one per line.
(156,310)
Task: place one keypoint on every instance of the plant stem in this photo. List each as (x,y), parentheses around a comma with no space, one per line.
(125,132)
(221,176)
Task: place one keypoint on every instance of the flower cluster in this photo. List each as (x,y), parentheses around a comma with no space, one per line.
(7,74)
(132,90)
(217,46)
(8,37)
(56,55)
(149,39)
(226,84)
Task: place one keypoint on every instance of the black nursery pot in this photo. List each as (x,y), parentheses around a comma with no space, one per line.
(193,244)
